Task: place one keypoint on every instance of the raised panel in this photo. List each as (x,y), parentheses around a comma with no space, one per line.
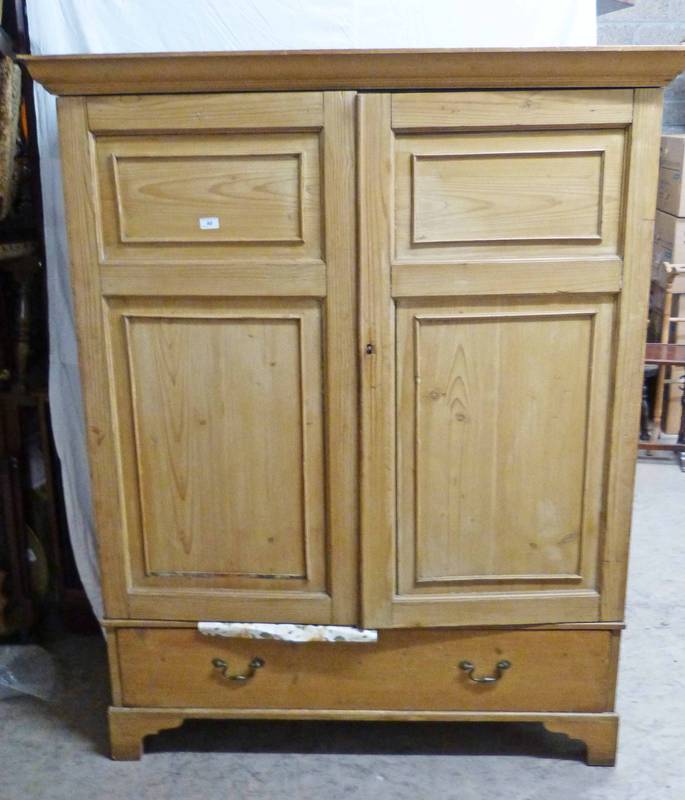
(481,197)
(233,198)
(250,199)
(222,449)
(514,195)
(219,429)
(501,410)
(482,448)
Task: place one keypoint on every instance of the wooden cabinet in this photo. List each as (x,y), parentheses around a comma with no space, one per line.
(368,357)
(492,280)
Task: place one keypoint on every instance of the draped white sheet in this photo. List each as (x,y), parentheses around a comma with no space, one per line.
(116,26)
(288,632)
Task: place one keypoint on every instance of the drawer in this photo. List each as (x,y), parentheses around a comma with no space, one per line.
(559,670)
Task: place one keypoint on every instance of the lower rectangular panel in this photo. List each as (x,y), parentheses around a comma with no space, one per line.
(568,670)
(500,415)
(221,428)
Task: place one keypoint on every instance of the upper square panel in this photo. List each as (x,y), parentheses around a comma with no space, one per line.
(515,194)
(252,197)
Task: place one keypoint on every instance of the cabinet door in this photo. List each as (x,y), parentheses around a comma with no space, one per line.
(212,242)
(503,262)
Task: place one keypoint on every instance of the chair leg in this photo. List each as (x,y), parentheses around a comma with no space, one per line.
(644,414)
(681,432)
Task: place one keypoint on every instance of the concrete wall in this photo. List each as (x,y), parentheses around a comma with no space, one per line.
(649,22)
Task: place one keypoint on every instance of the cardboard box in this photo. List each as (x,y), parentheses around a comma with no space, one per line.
(671,192)
(669,245)
(672,151)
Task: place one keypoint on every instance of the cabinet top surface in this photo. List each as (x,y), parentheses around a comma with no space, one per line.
(154,73)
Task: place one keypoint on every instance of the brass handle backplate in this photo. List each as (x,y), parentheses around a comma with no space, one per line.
(252,667)
(469,668)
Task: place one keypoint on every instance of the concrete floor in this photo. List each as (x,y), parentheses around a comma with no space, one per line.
(59,751)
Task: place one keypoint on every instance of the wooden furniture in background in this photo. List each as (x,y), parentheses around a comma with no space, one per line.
(500,243)
(18,269)
(667,355)
(669,248)
(26,438)
(5,627)
(674,284)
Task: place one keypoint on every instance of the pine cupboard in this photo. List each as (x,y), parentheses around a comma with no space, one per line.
(361,339)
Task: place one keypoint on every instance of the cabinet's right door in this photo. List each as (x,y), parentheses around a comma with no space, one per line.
(503,283)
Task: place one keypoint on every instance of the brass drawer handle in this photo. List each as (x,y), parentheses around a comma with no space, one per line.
(469,669)
(252,667)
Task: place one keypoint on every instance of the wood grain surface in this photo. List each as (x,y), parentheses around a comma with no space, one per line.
(158,73)
(409,670)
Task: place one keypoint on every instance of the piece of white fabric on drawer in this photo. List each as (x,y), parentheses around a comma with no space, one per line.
(287,632)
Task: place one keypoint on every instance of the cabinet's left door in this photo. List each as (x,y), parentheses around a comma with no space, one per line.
(212,255)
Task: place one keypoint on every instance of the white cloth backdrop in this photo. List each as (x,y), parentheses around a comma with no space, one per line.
(116,26)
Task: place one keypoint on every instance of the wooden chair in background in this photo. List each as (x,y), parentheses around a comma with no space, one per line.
(665,355)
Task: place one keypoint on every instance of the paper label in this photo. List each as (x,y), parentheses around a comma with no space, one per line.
(209,223)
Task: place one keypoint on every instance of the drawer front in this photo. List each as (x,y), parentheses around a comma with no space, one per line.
(565,670)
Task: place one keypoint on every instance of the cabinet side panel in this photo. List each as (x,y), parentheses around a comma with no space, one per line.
(638,230)
(80,200)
